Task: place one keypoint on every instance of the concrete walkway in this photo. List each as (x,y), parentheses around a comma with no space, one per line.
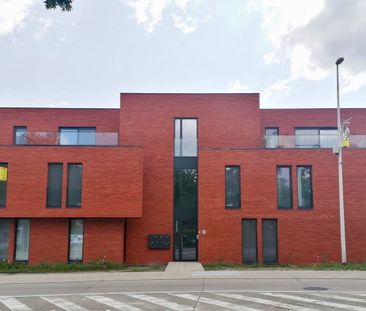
(176,273)
(175,267)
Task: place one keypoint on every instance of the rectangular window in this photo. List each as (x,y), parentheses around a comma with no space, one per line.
(185,138)
(271,137)
(269,241)
(77,136)
(54,185)
(76,240)
(74,184)
(3,183)
(232,187)
(20,133)
(304,187)
(22,240)
(316,137)
(4,239)
(249,231)
(284,187)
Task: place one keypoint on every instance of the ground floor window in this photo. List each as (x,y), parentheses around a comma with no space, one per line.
(76,240)
(22,240)
(4,239)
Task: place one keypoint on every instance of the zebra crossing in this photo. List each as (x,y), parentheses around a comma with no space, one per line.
(184,301)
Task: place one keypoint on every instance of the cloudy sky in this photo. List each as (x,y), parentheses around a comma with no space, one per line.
(283,49)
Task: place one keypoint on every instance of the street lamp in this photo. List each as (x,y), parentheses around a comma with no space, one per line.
(340,172)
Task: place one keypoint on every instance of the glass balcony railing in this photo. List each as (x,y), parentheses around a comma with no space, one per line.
(311,141)
(58,139)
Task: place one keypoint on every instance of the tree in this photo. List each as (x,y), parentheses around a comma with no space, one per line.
(65,5)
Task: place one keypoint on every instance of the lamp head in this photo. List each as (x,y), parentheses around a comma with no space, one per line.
(339,61)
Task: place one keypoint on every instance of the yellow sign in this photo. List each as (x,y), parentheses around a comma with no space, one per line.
(345,142)
(3,173)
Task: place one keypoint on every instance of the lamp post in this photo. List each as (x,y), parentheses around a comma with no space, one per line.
(340,172)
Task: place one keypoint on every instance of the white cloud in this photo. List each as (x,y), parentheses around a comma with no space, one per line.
(149,13)
(237,87)
(45,25)
(185,24)
(12,14)
(311,35)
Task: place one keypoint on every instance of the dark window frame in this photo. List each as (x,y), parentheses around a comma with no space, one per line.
(240,196)
(180,119)
(69,240)
(256,239)
(62,180)
(277,241)
(68,183)
(6,165)
(15,128)
(15,239)
(77,128)
(291,188)
(311,188)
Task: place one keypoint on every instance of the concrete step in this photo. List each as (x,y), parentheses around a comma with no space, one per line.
(175,267)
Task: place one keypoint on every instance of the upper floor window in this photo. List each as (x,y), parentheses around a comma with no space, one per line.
(185,138)
(284,187)
(20,133)
(77,136)
(3,183)
(54,185)
(316,137)
(304,187)
(271,134)
(232,187)
(74,184)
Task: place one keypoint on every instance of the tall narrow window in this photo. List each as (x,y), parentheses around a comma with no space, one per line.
(20,133)
(22,240)
(74,184)
(54,185)
(185,138)
(4,239)
(284,187)
(232,185)
(304,187)
(76,240)
(271,137)
(77,135)
(3,183)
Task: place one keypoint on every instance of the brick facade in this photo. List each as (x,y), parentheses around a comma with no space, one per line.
(128,189)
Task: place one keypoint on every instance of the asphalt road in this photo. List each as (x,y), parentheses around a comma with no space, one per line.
(210,292)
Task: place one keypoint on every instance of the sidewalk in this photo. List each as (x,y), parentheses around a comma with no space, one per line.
(141,276)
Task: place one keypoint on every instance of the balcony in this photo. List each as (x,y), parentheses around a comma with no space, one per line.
(310,141)
(67,139)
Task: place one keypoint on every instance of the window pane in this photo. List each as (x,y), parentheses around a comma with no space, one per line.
(86,136)
(74,184)
(328,138)
(68,136)
(22,240)
(76,240)
(189,138)
(20,135)
(284,187)
(307,138)
(232,183)
(304,187)
(4,239)
(177,138)
(54,187)
(3,183)
(271,137)
(185,188)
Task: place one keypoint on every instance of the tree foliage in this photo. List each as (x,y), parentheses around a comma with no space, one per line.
(64,5)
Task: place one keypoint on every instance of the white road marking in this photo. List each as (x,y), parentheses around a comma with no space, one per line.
(268,302)
(114,303)
(14,304)
(340,297)
(63,304)
(162,302)
(318,302)
(224,304)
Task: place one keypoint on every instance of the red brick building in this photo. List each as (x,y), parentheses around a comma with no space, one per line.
(207,177)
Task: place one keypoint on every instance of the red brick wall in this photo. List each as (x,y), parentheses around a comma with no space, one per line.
(50,119)
(223,121)
(111,184)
